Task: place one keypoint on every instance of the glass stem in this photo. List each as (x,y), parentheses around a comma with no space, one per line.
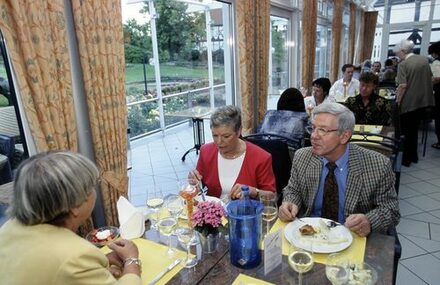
(300,278)
(188,248)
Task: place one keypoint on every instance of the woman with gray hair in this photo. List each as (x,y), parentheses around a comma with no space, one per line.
(54,193)
(229,162)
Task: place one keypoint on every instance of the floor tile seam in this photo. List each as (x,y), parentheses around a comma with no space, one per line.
(421,279)
(424,210)
(414,243)
(415,256)
(416,189)
(411,235)
(438,224)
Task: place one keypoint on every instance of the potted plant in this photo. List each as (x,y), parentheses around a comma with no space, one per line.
(207,220)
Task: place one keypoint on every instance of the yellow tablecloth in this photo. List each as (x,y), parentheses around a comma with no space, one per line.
(154,259)
(368,129)
(355,252)
(245,279)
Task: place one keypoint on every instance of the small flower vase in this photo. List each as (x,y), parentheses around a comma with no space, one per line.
(209,242)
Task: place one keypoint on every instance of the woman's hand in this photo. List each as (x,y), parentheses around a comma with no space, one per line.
(124,250)
(236,192)
(195,176)
(116,264)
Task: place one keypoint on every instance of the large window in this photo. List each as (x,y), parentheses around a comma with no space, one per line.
(278,59)
(178,56)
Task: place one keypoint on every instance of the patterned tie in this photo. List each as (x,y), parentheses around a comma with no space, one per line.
(330,203)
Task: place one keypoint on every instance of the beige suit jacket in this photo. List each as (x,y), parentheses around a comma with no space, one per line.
(50,255)
(369,188)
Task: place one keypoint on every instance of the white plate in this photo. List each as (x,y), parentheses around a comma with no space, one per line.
(292,234)
(209,198)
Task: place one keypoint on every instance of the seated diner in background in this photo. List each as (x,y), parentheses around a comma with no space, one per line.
(229,162)
(368,107)
(54,193)
(289,119)
(345,87)
(359,190)
(320,91)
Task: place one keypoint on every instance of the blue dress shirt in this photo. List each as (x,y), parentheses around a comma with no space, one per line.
(341,173)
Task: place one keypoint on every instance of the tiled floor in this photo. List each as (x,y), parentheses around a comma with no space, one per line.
(156,161)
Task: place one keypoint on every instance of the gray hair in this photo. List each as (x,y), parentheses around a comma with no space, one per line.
(48,185)
(229,116)
(345,116)
(406,46)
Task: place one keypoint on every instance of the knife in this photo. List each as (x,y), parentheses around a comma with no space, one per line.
(165,271)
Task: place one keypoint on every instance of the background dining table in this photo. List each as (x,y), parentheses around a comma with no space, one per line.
(216,267)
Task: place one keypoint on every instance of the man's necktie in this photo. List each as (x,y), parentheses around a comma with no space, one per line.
(330,203)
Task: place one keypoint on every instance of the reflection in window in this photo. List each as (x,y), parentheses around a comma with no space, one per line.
(190,64)
(278,60)
(322,55)
(12,144)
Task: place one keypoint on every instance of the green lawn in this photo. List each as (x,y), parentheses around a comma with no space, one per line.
(134,72)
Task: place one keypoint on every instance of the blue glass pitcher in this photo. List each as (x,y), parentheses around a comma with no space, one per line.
(245,229)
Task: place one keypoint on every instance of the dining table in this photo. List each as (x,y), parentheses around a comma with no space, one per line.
(216,267)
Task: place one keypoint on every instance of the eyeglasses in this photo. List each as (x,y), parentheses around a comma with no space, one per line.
(322,132)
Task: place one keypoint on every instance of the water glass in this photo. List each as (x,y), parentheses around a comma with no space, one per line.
(174,205)
(337,269)
(166,227)
(300,260)
(154,202)
(187,237)
(270,210)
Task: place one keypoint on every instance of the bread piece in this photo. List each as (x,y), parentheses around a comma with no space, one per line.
(307,230)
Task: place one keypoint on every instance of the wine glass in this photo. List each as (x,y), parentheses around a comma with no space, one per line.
(270,211)
(154,203)
(300,260)
(187,237)
(188,190)
(337,269)
(174,205)
(166,227)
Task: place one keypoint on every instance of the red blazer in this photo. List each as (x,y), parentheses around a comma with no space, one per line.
(256,170)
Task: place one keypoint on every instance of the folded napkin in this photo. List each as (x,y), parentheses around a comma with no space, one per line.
(244,279)
(131,220)
(355,252)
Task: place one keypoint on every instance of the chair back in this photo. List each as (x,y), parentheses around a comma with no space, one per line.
(277,146)
(388,146)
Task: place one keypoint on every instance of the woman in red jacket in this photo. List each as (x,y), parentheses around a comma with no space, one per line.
(229,162)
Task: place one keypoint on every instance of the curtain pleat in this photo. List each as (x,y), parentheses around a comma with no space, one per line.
(36,37)
(336,39)
(352,33)
(253,21)
(98,26)
(309,22)
(367,35)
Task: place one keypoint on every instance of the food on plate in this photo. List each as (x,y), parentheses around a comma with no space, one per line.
(307,230)
(102,236)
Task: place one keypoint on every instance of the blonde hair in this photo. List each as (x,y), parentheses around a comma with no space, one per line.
(48,185)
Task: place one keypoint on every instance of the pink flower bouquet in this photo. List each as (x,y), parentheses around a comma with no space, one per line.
(207,219)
